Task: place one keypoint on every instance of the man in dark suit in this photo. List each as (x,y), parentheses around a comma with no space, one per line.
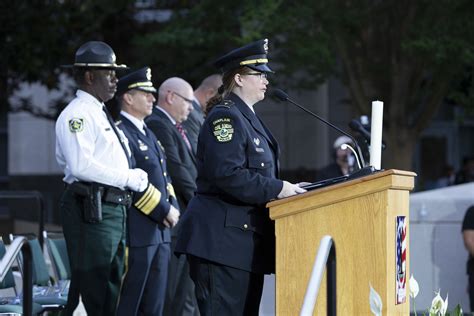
(175,97)
(206,90)
(154,211)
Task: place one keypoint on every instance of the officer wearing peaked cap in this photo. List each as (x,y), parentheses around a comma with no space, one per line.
(154,211)
(137,80)
(226,232)
(95,158)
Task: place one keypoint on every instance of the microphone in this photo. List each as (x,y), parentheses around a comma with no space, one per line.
(283,96)
(357,126)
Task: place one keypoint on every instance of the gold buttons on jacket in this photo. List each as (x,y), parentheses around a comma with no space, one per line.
(246,226)
(262,164)
(164,173)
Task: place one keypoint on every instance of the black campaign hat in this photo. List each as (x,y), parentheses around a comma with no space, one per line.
(253,55)
(139,80)
(95,54)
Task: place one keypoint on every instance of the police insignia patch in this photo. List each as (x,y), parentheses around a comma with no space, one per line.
(76,125)
(223,129)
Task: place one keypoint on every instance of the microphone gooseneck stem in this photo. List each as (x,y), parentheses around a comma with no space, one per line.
(333,126)
(344,146)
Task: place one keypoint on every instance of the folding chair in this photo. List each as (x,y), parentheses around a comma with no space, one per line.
(44,293)
(57,251)
(13,304)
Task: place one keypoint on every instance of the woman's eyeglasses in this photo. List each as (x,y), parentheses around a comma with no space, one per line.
(262,75)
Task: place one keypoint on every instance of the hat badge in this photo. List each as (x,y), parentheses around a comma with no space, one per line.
(265,45)
(148,74)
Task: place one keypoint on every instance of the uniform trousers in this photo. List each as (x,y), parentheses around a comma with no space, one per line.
(96,253)
(471,291)
(222,290)
(180,299)
(144,285)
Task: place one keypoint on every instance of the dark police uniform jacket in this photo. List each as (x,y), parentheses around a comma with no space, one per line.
(227,221)
(150,207)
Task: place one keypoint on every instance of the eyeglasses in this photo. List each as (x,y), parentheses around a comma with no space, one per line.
(262,75)
(184,98)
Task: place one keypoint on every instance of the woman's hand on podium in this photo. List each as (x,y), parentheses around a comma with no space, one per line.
(289,189)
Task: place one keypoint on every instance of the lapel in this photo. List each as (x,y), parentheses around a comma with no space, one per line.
(256,123)
(148,140)
(174,130)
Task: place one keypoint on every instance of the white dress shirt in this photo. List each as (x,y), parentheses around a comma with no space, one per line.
(140,124)
(87,147)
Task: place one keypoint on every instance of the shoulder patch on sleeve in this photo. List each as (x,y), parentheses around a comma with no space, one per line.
(223,129)
(76,125)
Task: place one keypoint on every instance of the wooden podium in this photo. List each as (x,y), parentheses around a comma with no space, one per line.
(361,217)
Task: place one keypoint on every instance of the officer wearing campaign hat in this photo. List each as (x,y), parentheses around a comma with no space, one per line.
(94,156)
(154,211)
(226,232)
(95,54)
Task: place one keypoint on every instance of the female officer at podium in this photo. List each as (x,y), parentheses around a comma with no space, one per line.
(226,232)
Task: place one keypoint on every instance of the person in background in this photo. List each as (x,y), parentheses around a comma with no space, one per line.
(447,177)
(466,174)
(226,231)
(96,161)
(468,238)
(175,98)
(343,163)
(206,90)
(153,213)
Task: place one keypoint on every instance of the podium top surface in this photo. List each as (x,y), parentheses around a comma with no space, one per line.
(379,181)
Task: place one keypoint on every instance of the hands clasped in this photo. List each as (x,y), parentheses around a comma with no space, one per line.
(172,218)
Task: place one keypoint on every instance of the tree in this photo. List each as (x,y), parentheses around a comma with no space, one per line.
(410,54)
(39,36)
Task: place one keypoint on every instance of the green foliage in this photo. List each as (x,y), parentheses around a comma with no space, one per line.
(39,36)
(409,53)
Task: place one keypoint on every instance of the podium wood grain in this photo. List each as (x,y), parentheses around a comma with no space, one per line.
(360,215)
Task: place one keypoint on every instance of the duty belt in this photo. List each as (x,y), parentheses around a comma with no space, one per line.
(110,194)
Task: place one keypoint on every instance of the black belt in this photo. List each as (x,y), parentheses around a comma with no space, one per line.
(110,194)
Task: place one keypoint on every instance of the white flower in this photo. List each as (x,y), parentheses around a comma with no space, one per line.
(444,308)
(438,305)
(375,302)
(414,288)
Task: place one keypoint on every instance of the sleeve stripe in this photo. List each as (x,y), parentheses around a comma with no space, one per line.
(145,196)
(148,204)
(170,188)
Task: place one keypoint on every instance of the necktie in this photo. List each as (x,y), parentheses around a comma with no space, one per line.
(183,134)
(114,128)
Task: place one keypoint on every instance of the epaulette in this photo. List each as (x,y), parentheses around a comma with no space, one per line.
(226,104)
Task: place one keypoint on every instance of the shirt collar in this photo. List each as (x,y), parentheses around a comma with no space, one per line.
(199,106)
(138,123)
(89,98)
(169,116)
